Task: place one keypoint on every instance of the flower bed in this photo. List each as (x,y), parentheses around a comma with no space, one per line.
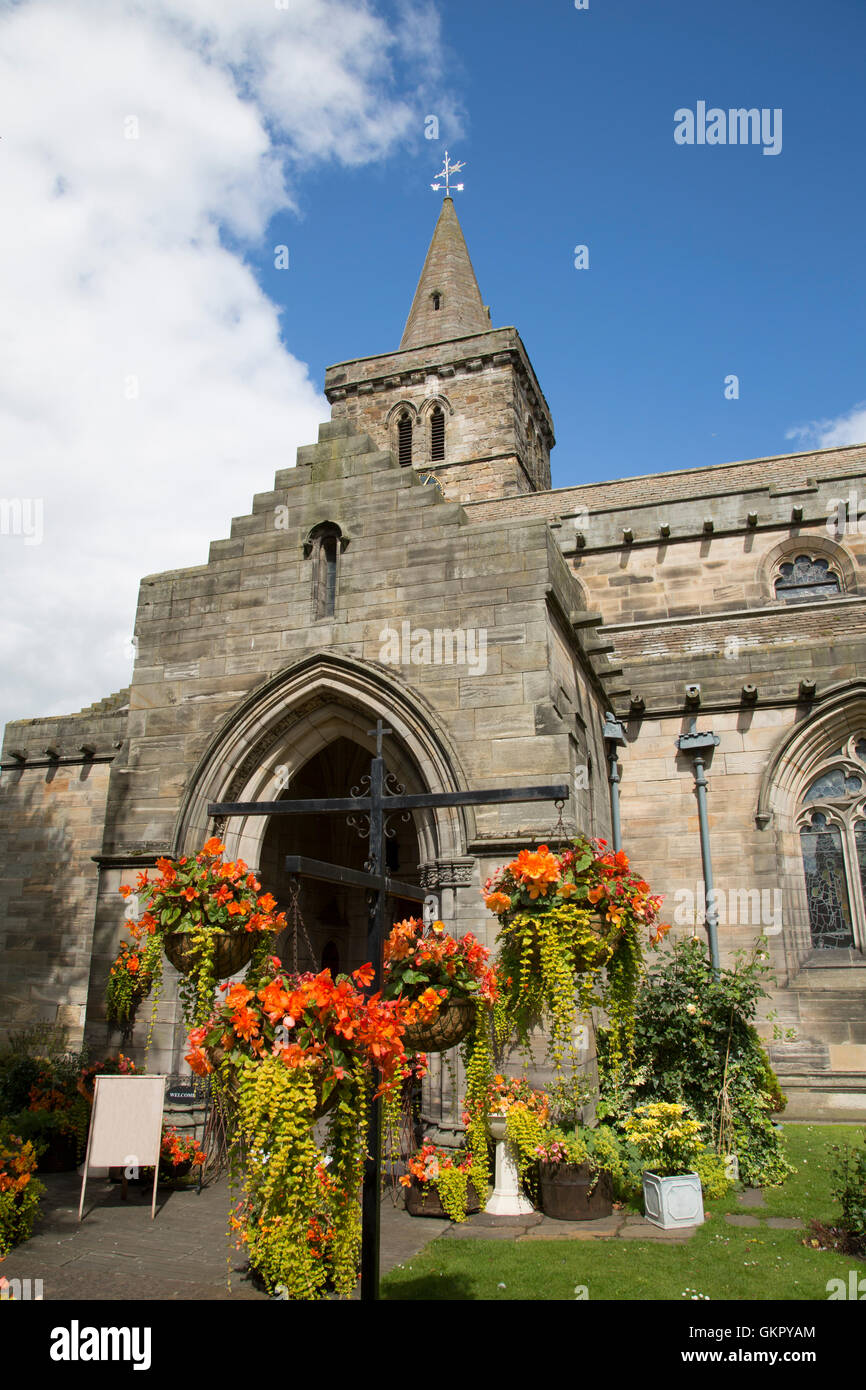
(19,1191)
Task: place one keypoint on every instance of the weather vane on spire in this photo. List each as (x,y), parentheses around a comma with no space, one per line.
(446,173)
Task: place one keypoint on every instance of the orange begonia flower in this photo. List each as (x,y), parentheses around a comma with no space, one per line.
(537,869)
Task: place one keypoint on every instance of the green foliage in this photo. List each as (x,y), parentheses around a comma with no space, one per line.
(695,1043)
(711,1171)
(525,1132)
(17,1074)
(19,1190)
(666,1137)
(849,1187)
(300,1218)
(600,1150)
(477,1052)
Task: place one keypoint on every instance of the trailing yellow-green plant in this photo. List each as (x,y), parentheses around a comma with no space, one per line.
(449,1174)
(478,1061)
(287,1050)
(569,940)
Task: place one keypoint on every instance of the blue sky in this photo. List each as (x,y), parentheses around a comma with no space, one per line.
(156,369)
(703,261)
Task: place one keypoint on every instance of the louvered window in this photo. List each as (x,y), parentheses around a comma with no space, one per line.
(437,434)
(404,441)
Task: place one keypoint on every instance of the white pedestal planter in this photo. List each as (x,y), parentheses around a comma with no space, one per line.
(672,1202)
(507,1198)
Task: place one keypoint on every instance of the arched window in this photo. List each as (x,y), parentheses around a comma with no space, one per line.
(436,297)
(404,440)
(437,434)
(806,579)
(323,546)
(832,827)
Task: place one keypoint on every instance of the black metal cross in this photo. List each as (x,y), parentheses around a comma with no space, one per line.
(378,805)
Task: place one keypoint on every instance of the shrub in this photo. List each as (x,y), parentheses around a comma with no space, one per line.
(695,1042)
(19,1191)
(849,1188)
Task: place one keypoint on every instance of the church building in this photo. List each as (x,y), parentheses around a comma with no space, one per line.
(684,650)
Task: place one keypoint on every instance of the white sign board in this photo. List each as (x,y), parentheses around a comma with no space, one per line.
(125,1126)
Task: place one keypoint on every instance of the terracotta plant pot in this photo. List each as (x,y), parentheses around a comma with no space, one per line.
(450,1026)
(574,1191)
(233,951)
(423,1200)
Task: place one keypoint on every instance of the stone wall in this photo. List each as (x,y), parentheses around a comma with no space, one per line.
(51,826)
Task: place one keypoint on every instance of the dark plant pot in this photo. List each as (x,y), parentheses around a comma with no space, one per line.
(169,1171)
(61,1156)
(451,1025)
(574,1192)
(232,952)
(423,1200)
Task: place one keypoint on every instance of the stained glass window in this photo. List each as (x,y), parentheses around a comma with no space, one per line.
(806,579)
(826,889)
(834,783)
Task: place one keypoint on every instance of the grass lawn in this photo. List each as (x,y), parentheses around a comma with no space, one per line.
(720,1261)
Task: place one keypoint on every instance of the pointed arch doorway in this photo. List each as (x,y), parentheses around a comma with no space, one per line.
(335,917)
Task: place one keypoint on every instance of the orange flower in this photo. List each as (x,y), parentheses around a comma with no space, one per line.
(497,902)
(213,847)
(538,869)
(245,1023)
(238,996)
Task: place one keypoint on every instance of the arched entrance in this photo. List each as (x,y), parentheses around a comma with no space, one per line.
(335,918)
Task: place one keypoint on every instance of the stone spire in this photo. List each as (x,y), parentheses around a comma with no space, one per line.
(448,281)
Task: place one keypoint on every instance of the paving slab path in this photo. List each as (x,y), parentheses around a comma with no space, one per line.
(117,1252)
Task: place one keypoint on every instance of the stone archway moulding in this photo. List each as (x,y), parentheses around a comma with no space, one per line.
(296,714)
(841,712)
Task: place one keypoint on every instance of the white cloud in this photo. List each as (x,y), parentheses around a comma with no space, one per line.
(833,434)
(144,391)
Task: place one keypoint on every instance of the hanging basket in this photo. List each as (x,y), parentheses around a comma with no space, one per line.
(450,1026)
(602,930)
(232,951)
(217,1056)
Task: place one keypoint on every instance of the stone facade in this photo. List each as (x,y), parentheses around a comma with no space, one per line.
(491,622)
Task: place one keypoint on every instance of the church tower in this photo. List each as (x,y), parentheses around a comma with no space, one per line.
(458,399)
